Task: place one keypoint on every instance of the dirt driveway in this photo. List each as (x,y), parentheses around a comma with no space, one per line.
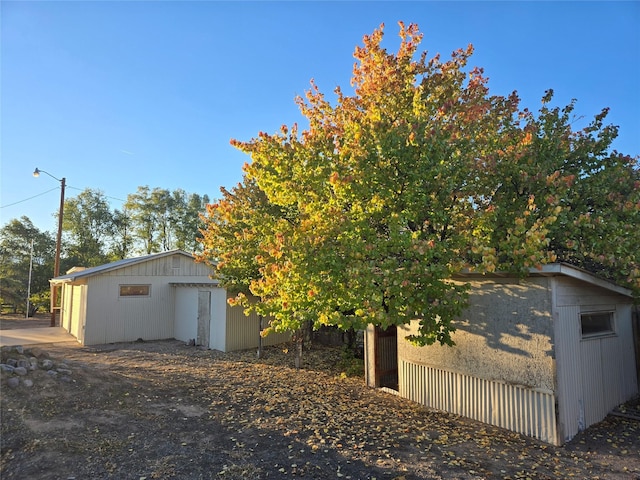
(165,410)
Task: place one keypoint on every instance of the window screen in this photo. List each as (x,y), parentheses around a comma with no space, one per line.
(134,290)
(596,323)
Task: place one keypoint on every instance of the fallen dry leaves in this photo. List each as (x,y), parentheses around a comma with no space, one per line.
(164,410)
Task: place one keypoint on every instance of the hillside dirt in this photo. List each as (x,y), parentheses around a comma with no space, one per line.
(156,410)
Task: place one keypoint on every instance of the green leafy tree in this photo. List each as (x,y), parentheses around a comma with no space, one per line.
(186,219)
(16,238)
(419,174)
(164,220)
(121,245)
(563,195)
(88,227)
(235,227)
(144,216)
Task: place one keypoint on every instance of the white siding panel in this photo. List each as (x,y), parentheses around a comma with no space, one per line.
(572,292)
(569,372)
(613,373)
(77,311)
(219,321)
(521,409)
(185,325)
(605,385)
(594,375)
(66,306)
(164,267)
(626,351)
(592,382)
(111,318)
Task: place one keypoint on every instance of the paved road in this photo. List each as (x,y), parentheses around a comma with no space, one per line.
(34,336)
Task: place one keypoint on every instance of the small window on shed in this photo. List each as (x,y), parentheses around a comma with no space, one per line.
(596,324)
(135,290)
(176,261)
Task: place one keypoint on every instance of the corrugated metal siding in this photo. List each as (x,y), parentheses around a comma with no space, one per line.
(592,391)
(568,371)
(243,332)
(603,377)
(165,267)
(111,318)
(65,312)
(517,408)
(570,291)
(77,311)
(73,310)
(627,352)
(596,374)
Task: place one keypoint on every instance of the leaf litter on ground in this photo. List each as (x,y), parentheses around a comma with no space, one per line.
(165,410)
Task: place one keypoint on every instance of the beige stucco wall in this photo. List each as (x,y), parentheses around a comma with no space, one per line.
(505,334)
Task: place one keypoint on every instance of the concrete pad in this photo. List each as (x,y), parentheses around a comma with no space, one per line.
(34,336)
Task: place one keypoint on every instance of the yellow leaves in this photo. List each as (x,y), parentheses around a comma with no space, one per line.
(531,202)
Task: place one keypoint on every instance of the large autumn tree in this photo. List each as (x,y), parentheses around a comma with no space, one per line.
(365,216)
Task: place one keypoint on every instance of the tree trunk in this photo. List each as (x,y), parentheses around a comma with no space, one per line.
(299,341)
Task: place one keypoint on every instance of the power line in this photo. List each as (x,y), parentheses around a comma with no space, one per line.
(106,196)
(54,188)
(30,198)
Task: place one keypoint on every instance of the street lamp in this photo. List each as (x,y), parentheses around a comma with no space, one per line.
(56,265)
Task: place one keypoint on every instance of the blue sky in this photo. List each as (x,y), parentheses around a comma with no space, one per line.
(114,95)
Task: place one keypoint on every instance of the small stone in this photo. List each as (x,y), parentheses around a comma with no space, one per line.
(27,382)
(40,354)
(33,363)
(63,371)
(6,368)
(64,366)
(20,371)
(13,382)
(47,364)
(20,349)
(23,363)
(66,379)
(53,373)
(13,362)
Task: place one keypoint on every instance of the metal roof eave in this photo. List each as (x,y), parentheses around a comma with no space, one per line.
(108,267)
(554,269)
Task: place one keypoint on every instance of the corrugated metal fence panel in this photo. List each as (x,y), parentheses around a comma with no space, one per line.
(243,332)
(520,409)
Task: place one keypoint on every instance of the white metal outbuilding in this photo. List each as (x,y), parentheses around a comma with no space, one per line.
(545,356)
(154,297)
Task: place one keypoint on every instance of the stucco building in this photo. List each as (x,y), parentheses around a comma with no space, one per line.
(546,356)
